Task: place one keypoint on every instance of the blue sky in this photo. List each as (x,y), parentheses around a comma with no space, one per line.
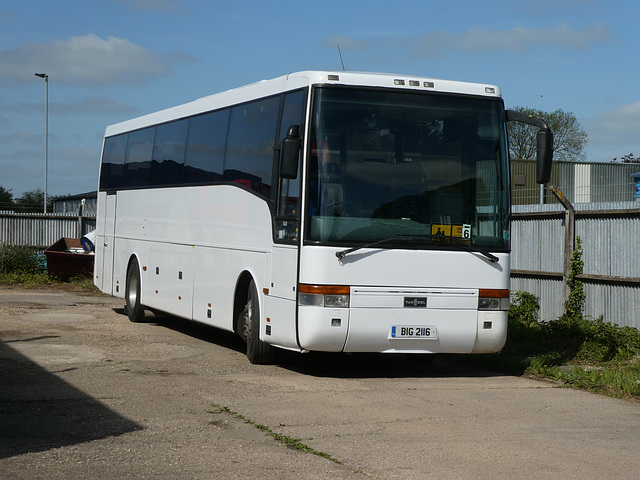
(112,60)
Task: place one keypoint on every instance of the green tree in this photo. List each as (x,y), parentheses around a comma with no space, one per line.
(30,202)
(630,158)
(6,199)
(569,138)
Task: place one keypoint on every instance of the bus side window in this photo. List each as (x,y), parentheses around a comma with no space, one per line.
(112,170)
(204,156)
(137,160)
(288,200)
(168,153)
(249,154)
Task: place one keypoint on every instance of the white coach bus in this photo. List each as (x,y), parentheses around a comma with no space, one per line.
(318,211)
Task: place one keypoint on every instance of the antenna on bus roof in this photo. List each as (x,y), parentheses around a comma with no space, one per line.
(341,61)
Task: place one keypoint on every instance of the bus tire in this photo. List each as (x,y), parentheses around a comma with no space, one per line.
(258,352)
(133,307)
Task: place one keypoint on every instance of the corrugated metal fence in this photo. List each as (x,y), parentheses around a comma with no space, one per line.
(41,230)
(580,182)
(609,233)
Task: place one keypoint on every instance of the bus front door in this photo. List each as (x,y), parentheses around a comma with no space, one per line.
(278,324)
(107,245)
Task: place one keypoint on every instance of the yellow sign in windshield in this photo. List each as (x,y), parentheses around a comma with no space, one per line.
(443,232)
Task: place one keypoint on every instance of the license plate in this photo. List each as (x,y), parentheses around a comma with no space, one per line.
(414,331)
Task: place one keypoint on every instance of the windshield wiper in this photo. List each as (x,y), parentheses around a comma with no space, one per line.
(410,238)
(402,238)
(470,248)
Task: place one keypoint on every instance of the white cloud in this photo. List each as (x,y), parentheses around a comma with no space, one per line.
(522,38)
(614,133)
(346,43)
(91,104)
(86,60)
(621,124)
(23,137)
(518,39)
(86,105)
(154,5)
(6,15)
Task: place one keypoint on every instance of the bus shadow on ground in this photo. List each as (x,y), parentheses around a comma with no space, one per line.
(337,365)
(382,365)
(39,411)
(197,330)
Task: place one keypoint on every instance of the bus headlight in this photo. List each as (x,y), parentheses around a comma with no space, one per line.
(339,301)
(333,296)
(493,299)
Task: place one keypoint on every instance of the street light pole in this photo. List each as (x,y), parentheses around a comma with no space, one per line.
(46,133)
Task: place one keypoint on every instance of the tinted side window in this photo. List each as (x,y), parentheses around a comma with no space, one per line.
(205,147)
(288,199)
(137,160)
(249,156)
(111,173)
(168,153)
(292,112)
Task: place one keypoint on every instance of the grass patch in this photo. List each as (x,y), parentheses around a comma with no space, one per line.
(28,267)
(21,260)
(588,354)
(284,439)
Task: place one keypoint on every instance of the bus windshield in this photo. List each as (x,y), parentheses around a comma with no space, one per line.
(399,168)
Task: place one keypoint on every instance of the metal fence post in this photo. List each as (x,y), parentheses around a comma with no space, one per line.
(569,236)
(80,221)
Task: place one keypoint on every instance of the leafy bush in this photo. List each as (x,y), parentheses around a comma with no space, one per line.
(575,302)
(21,260)
(523,315)
(580,352)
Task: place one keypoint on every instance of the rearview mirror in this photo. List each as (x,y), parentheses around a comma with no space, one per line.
(544,143)
(289,153)
(545,155)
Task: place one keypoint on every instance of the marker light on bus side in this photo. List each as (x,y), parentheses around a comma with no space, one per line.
(334,296)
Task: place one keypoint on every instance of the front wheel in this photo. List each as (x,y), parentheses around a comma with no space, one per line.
(258,352)
(134,309)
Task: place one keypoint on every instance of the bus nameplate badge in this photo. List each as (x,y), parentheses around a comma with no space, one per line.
(415,302)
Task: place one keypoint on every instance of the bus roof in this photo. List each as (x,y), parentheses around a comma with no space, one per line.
(296,80)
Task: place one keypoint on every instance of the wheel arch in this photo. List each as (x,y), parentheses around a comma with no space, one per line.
(240,297)
(136,257)
(134,305)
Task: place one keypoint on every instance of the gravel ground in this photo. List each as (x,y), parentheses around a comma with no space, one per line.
(86,393)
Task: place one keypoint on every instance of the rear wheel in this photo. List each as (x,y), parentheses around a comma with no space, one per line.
(133,307)
(258,352)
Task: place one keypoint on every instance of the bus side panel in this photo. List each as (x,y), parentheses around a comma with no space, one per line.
(280,303)
(170,278)
(195,242)
(212,302)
